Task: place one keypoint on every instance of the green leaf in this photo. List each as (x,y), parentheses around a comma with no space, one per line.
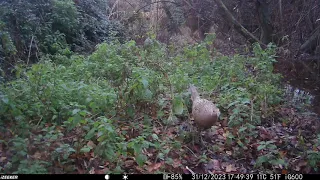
(178,105)
(83,113)
(278,161)
(242,129)
(90,134)
(155,137)
(148,94)
(5,99)
(145,83)
(262,146)
(261,160)
(85,149)
(75,111)
(137,147)
(141,159)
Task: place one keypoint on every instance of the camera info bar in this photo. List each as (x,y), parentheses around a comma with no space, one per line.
(165,176)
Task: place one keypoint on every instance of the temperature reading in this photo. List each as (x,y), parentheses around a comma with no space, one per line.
(275,176)
(262,176)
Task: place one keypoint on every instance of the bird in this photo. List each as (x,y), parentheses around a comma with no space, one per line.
(204,112)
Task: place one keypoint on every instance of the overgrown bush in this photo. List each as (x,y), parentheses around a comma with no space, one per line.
(121,82)
(30,29)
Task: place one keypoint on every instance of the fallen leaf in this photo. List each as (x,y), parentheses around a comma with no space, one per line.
(215,165)
(299,165)
(229,153)
(125,128)
(176,163)
(102,171)
(139,169)
(283,153)
(230,168)
(2,159)
(92,154)
(154,167)
(92,171)
(156,130)
(91,144)
(129,163)
(37,155)
(284,171)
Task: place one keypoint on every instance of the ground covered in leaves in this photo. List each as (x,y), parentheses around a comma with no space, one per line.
(127,109)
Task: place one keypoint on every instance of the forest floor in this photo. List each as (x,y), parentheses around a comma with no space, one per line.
(283,142)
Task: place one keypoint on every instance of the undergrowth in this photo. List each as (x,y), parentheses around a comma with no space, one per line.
(107,105)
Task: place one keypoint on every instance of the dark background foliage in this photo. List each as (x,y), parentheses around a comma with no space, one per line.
(31,28)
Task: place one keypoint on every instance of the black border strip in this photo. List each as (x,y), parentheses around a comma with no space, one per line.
(164,177)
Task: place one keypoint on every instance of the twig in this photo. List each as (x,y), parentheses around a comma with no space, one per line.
(29,54)
(39,121)
(190,150)
(113,7)
(190,170)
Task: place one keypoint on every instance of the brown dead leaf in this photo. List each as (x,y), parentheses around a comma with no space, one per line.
(176,163)
(299,165)
(214,164)
(91,144)
(92,154)
(226,134)
(224,123)
(283,153)
(230,168)
(92,171)
(284,171)
(221,137)
(37,155)
(2,159)
(129,163)
(125,128)
(102,171)
(156,130)
(155,167)
(139,169)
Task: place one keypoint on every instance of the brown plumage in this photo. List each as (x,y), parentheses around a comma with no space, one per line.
(204,112)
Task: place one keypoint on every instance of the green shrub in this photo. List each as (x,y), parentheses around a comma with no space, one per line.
(119,81)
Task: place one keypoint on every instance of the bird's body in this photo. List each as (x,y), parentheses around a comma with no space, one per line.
(204,112)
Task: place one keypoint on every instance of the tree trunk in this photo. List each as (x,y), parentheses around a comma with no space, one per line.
(311,44)
(172,25)
(265,22)
(243,31)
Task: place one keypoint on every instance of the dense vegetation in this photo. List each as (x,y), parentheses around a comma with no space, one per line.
(125,108)
(31,29)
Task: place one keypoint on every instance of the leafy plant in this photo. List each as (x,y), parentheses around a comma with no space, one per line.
(270,156)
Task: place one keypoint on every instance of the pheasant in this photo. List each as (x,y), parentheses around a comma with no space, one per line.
(204,112)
